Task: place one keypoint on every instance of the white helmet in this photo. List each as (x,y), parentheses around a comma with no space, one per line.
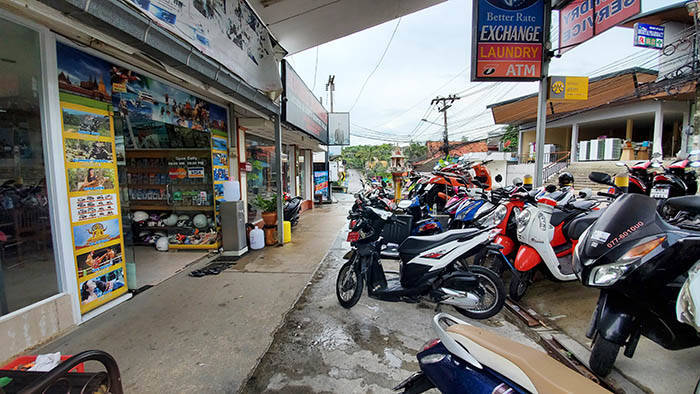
(162,244)
(170,220)
(160,234)
(200,221)
(140,216)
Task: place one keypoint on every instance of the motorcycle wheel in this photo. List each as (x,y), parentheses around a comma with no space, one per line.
(489,284)
(348,286)
(603,355)
(519,284)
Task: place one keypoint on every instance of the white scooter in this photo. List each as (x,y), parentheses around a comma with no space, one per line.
(687,310)
(547,232)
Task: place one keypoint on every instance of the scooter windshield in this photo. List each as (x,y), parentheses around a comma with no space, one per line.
(630,217)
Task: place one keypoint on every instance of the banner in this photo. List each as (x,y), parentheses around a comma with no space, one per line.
(583,19)
(225,30)
(301,108)
(648,36)
(321,183)
(91,176)
(507,40)
(338,128)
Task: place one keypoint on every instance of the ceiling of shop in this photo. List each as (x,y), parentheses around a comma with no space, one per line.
(265,129)
(304,24)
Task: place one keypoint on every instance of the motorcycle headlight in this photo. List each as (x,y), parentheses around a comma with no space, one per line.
(608,274)
(494,218)
(522,220)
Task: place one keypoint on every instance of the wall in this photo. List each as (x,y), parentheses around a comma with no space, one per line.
(34,325)
(519,171)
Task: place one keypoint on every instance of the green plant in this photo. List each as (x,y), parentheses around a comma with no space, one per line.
(509,139)
(266,204)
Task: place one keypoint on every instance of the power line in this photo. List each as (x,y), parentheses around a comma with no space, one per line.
(379,63)
(315,69)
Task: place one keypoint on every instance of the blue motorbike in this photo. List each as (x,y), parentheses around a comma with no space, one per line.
(469,359)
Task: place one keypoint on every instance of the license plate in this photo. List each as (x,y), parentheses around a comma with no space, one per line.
(353,236)
(659,192)
(430,186)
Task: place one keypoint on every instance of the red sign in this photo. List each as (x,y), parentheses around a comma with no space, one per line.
(576,21)
(517,60)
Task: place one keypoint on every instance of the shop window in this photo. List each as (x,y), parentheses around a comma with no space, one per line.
(261,174)
(27,266)
(301,170)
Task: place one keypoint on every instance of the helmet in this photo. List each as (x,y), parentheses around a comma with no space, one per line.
(171,220)
(200,221)
(140,216)
(566,179)
(162,244)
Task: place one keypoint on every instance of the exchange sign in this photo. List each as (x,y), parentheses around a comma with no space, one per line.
(648,36)
(507,40)
(568,88)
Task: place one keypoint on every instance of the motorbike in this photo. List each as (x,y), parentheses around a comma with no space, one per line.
(468,359)
(548,231)
(638,261)
(678,179)
(292,209)
(640,177)
(430,267)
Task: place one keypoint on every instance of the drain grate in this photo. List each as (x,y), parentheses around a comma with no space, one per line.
(215,267)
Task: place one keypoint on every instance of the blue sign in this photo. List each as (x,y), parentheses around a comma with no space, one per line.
(507,40)
(648,36)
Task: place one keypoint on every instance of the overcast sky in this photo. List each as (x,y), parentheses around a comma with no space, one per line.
(428,56)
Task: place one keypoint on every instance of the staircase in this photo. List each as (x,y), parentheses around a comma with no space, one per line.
(580,171)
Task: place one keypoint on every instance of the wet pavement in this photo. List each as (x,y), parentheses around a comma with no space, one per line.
(569,305)
(322,347)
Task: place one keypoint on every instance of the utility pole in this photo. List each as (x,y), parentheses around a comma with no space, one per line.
(330,88)
(445,105)
(541,128)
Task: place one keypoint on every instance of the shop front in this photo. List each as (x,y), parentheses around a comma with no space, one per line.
(111,174)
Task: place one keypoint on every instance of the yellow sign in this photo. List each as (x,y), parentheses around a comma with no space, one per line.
(568,88)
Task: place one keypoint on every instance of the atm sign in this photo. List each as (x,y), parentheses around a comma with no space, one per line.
(509,60)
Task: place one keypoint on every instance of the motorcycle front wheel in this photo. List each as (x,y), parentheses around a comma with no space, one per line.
(348,286)
(603,355)
(491,293)
(519,284)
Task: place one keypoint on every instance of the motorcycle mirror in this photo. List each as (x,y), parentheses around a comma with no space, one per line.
(695,164)
(656,155)
(656,164)
(600,177)
(517,182)
(550,188)
(620,164)
(585,193)
(695,152)
(499,178)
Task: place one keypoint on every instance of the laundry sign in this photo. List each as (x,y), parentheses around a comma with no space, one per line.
(507,40)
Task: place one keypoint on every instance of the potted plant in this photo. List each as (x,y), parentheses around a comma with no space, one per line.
(268,206)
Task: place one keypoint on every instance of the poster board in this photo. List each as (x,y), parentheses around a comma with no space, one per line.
(338,128)
(219,168)
(91,178)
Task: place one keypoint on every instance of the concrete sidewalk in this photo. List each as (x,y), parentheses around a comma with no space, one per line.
(206,334)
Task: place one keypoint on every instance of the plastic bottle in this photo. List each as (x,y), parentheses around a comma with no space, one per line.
(257,238)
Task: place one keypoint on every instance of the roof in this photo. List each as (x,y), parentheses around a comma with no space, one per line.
(602,90)
(671,13)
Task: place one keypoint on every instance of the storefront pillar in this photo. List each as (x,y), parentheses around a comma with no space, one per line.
(658,129)
(308,175)
(629,129)
(685,134)
(574,142)
(520,145)
(292,159)
(278,167)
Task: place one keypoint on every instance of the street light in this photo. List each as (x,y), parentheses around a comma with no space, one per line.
(428,121)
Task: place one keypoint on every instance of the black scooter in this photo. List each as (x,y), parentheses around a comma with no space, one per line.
(639,262)
(430,267)
(292,209)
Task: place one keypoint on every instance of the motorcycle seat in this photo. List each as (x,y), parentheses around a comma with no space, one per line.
(530,368)
(583,204)
(685,203)
(576,227)
(413,246)
(559,215)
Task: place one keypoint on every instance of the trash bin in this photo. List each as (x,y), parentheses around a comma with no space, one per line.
(287,231)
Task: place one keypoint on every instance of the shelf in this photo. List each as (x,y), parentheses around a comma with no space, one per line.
(182,246)
(142,207)
(145,186)
(167,228)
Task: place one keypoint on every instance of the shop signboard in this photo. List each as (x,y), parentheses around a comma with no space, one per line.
(301,108)
(507,40)
(584,19)
(648,36)
(321,183)
(339,128)
(228,31)
(567,88)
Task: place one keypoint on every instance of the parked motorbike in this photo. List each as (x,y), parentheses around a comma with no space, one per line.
(640,176)
(431,267)
(468,359)
(678,179)
(548,231)
(639,262)
(292,209)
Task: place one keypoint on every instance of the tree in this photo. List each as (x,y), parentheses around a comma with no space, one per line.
(509,139)
(356,156)
(415,152)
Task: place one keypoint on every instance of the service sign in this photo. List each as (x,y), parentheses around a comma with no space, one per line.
(648,36)
(507,40)
(568,88)
(301,108)
(583,19)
